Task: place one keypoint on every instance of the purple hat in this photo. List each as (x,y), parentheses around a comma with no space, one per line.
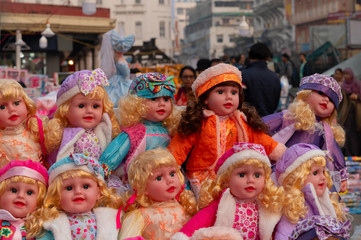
(294,157)
(84,81)
(325,84)
(239,152)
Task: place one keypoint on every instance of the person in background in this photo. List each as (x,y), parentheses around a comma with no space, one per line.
(187,75)
(305,68)
(263,87)
(242,61)
(202,65)
(215,61)
(286,67)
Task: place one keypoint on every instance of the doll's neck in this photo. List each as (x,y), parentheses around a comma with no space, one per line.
(14,130)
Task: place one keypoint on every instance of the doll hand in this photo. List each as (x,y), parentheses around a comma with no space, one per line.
(343,186)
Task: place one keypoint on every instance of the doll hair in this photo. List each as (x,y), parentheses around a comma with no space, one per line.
(51,206)
(191,120)
(54,131)
(11,90)
(141,169)
(294,203)
(270,197)
(305,118)
(134,110)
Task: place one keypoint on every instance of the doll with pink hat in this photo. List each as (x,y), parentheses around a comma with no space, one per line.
(22,190)
(242,203)
(84,121)
(215,120)
(312,118)
(310,210)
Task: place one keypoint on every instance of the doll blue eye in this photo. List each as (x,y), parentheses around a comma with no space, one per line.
(257,175)
(241,174)
(29,193)
(16,103)
(315,173)
(220,91)
(2,107)
(234,92)
(81,105)
(86,186)
(166,99)
(95,106)
(14,190)
(159,178)
(69,188)
(172,174)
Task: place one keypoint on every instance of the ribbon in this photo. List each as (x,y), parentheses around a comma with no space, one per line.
(92,164)
(120,44)
(131,200)
(88,82)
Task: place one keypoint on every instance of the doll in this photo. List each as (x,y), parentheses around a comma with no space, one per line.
(114,65)
(159,205)
(84,121)
(22,190)
(214,121)
(302,173)
(312,118)
(21,131)
(71,208)
(148,118)
(242,201)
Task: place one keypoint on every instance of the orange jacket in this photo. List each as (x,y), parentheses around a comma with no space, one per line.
(204,146)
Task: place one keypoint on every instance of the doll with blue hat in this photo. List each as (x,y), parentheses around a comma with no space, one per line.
(84,121)
(310,209)
(78,204)
(114,65)
(148,118)
(312,118)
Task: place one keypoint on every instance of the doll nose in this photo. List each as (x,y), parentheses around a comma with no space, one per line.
(161,102)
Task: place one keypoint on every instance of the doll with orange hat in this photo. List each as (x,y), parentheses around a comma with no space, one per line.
(215,120)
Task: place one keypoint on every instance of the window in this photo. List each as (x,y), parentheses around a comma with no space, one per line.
(232,37)
(220,38)
(162,29)
(180,10)
(225,21)
(138,1)
(138,30)
(161,2)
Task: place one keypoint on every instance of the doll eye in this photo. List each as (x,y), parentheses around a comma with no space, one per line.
(2,107)
(81,105)
(321,93)
(153,99)
(166,99)
(241,175)
(69,188)
(172,174)
(29,193)
(315,173)
(95,106)
(257,175)
(220,91)
(17,103)
(86,186)
(159,178)
(14,190)
(234,92)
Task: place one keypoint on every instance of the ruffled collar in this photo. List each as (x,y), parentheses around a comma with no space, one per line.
(7,216)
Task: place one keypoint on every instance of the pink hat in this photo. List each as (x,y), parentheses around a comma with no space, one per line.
(241,151)
(26,168)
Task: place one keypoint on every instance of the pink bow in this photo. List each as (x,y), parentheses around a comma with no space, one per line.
(88,82)
(125,206)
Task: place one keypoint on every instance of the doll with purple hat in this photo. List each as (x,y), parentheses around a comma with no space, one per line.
(312,118)
(78,204)
(148,118)
(22,190)
(242,203)
(84,121)
(310,210)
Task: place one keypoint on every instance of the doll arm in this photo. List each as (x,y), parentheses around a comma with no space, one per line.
(115,153)
(274,122)
(180,147)
(132,225)
(338,160)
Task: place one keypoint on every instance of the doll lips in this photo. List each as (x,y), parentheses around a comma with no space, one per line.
(19,204)
(88,118)
(161,112)
(13,117)
(78,200)
(250,189)
(323,105)
(171,189)
(228,105)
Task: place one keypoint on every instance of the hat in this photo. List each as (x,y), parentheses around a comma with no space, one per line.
(241,151)
(153,85)
(26,168)
(294,157)
(215,75)
(76,161)
(121,44)
(84,81)
(326,84)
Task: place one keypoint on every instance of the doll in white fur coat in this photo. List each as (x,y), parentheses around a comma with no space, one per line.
(243,202)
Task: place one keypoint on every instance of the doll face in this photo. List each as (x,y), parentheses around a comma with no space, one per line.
(19,199)
(85,112)
(247,182)
(318,179)
(12,113)
(320,104)
(79,195)
(163,184)
(158,108)
(223,100)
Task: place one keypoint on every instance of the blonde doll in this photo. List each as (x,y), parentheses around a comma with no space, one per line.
(84,121)
(214,121)
(242,203)
(22,190)
(71,208)
(21,131)
(148,118)
(301,171)
(159,205)
(312,118)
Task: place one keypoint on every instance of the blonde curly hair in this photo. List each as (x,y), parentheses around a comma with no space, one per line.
(51,205)
(55,128)
(141,169)
(271,197)
(305,118)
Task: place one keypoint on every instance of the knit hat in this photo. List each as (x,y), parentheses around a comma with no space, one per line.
(239,152)
(76,161)
(294,157)
(83,81)
(326,84)
(26,168)
(153,85)
(215,75)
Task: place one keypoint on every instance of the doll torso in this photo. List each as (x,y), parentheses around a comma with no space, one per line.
(156,135)
(83,226)
(11,227)
(17,144)
(247,219)
(162,220)
(88,144)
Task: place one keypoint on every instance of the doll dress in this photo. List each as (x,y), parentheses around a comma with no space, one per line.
(83,226)
(247,219)
(88,144)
